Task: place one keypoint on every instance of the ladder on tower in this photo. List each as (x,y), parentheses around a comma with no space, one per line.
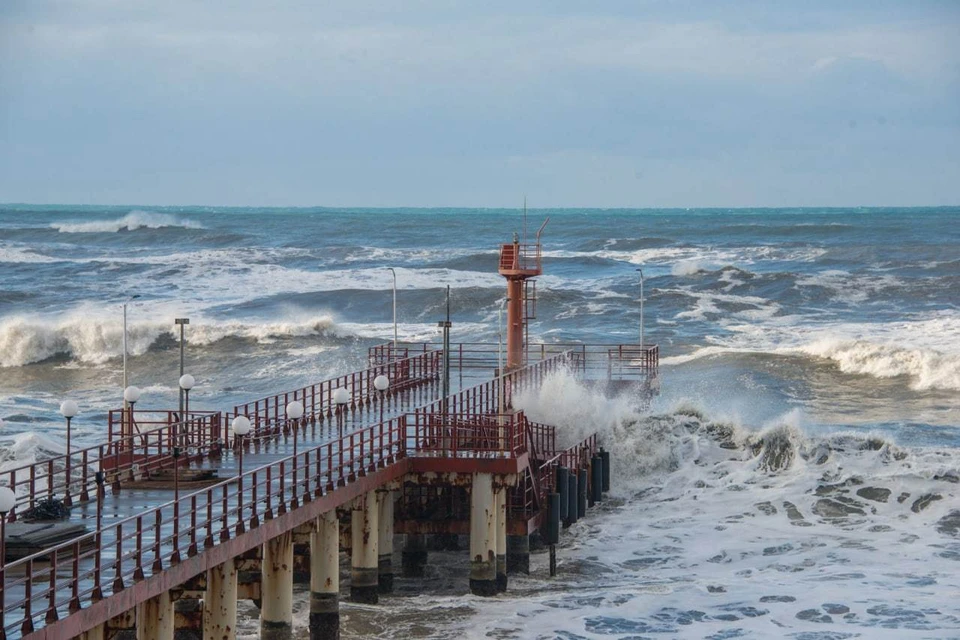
(529,311)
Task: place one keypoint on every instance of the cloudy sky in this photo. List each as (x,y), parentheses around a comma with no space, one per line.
(444,103)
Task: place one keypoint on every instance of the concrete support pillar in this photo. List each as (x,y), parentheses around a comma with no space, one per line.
(500,497)
(414,556)
(483,536)
(385,541)
(518,554)
(325,578)
(122,626)
(276,588)
(220,602)
(155,618)
(188,619)
(99,632)
(364,575)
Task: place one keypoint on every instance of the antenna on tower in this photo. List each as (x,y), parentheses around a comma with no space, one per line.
(524,218)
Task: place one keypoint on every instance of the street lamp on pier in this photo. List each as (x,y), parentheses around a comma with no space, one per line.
(294,413)
(186,383)
(394,272)
(68,408)
(381,383)
(8,500)
(341,397)
(241,427)
(130,397)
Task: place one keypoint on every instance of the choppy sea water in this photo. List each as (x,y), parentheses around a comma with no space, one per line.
(797,478)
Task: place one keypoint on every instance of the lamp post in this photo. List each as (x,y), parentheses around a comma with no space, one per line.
(381,383)
(641,308)
(68,408)
(181,322)
(341,397)
(130,397)
(241,427)
(294,413)
(125,303)
(7,501)
(186,383)
(393,271)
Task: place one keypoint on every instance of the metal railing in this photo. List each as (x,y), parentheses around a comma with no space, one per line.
(268,415)
(74,476)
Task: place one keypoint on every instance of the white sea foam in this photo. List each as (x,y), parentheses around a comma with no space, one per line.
(87,335)
(20,254)
(688,268)
(925,348)
(134,220)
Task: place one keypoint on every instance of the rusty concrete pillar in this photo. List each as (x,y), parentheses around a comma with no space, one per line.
(500,499)
(276,588)
(99,632)
(187,619)
(385,541)
(220,602)
(364,575)
(518,554)
(483,536)
(122,626)
(325,578)
(413,558)
(155,618)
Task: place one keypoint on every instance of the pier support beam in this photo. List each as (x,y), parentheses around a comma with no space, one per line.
(123,626)
(99,632)
(364,575)
(325,578)
(385,542)
(155,618)
(276,588)
(483,536)
(518,554)
(413,559)
(500,498)
(220,602)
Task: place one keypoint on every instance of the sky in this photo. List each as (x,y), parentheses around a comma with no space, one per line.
(443,103)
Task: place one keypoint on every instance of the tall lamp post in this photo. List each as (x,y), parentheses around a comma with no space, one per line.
(393,271)
(68,408)
(381,383)
(186,383)
(241,427)
(294,413)
(341,397)
(7,501)
(641,308)
(125,303)
(181,322)
(130,396)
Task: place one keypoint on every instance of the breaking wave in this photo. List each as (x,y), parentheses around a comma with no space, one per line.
(134,220)
(91,339)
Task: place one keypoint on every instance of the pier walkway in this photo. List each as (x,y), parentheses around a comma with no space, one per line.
(180,510)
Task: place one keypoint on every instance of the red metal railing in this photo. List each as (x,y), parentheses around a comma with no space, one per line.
(139,455)
(520,257)
(527,499)
(268,415)
(469,436)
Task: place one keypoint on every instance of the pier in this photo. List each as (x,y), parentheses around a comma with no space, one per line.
(179,514)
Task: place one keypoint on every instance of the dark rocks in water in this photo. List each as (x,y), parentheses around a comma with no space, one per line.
(778,599)
(902,497)
(813,615)
(766,508)
(923,502)
(724,434)
(877,494)
(836,609)
(827,508)
(796,518)
(716,589)
(778,550)
(49,509)
(950,524)
(948,477)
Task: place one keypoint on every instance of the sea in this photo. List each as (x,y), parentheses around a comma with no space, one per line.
(797,477)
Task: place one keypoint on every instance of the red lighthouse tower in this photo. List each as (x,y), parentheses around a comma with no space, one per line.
(519,262)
